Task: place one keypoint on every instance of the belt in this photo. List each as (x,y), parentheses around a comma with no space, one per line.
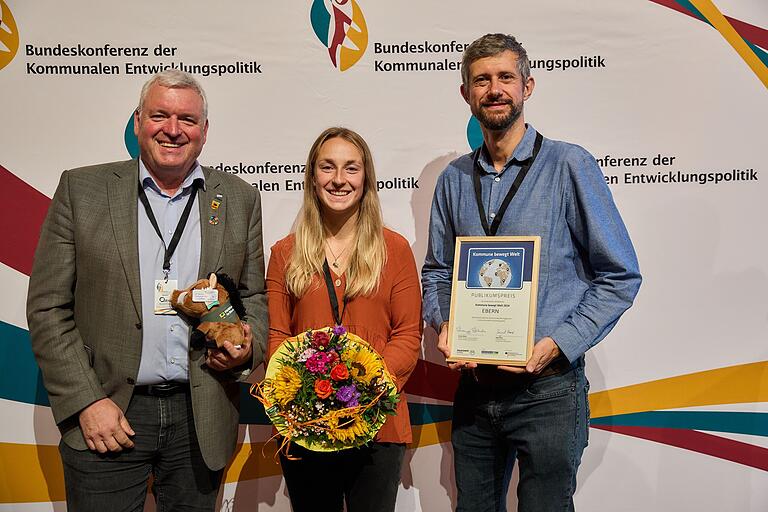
(559,365)
(491,376)
(163,389)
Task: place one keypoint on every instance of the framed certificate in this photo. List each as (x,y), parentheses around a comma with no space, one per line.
(493,299)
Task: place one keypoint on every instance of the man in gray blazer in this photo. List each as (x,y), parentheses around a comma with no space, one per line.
(131,395)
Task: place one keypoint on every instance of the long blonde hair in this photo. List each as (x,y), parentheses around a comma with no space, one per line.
(368,252)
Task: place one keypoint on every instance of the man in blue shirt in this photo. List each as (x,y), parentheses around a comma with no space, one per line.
(132,396)
(588,276)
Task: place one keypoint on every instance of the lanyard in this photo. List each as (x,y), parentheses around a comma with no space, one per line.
(169,249)
(512,191)
(332,295)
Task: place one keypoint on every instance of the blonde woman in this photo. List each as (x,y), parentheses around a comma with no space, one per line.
(375,294)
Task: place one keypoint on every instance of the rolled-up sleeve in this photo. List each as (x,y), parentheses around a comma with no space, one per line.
(598,230)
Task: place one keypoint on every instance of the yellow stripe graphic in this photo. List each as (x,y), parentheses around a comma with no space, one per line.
(746,383)
(716,18)
(430,433)
(248,463)
(31,473)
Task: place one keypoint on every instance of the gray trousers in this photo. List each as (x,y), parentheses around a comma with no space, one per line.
(166,448)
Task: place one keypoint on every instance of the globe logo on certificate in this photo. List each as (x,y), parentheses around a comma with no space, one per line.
(495,273)
(499,268)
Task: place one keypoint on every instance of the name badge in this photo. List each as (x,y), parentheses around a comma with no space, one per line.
(163,290)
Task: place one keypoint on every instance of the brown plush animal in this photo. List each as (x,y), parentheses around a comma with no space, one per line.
(216,303)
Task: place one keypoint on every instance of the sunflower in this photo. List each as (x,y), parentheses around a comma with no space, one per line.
(348,428)
(286,384)
(364,365)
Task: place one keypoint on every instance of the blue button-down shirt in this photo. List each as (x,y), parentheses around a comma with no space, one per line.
(165,341)
(588,274)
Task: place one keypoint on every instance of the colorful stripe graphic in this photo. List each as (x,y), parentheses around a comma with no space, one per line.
(650,410)
(748,40)
(642,411)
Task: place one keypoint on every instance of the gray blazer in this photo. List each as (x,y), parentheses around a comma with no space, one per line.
(84,301)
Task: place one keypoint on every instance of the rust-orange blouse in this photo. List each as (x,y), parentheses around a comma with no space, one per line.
(389,319)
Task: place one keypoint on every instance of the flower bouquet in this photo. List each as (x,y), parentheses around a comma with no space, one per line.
(327,390)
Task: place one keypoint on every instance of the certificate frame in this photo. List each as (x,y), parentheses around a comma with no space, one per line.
(493,299)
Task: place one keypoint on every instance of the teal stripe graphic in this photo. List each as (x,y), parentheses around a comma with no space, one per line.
(761,54)
(20,378)
(685,4)
(21,381)
(752,423)
(252,412)
(422,414)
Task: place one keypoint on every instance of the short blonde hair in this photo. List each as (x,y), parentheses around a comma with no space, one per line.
(174,79)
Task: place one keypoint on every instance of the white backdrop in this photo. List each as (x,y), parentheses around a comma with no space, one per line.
(680,387)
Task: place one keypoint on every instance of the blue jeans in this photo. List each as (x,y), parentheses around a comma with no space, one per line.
(365,478)
(165,446)
(542,423)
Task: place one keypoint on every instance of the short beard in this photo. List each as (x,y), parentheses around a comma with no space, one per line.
(496,123)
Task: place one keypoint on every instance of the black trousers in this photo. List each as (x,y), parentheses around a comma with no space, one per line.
(366,478)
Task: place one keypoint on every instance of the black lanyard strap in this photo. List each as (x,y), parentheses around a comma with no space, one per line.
(332,295)
(491,231)
(170,248)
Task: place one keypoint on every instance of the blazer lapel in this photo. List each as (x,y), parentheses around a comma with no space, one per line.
(213,218)
(123,210)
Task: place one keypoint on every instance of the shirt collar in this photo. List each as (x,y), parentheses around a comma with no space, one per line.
(148,181)
(522,152)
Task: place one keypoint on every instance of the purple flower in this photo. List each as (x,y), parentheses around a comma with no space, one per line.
(348,395)
(317,363)
(339,330)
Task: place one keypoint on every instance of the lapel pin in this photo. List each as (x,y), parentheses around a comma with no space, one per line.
(213,220)
(215,204)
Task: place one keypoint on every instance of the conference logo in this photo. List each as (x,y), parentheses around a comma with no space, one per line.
(129,138)
(9,35)
(340,26)
(474,133)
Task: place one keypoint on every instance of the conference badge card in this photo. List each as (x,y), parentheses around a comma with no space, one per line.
(493,299)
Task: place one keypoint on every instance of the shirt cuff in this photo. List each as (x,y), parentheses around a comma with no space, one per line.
(570,342)
(434,319)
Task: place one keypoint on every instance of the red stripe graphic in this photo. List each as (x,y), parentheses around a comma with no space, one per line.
(753,34)
(432,381)
(24,210)
(708,444)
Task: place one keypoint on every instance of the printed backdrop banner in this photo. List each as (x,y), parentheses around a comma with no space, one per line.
(669,96)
